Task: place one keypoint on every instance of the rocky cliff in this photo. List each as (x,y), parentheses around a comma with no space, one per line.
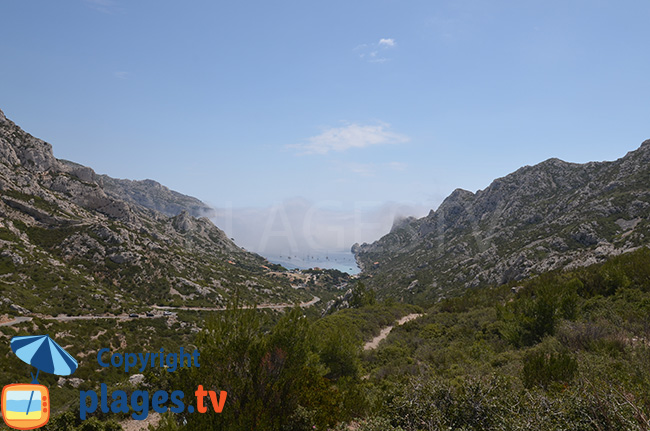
(147,193)
(548,216)
(74,241)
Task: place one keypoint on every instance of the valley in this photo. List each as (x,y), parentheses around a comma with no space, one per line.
(526,302)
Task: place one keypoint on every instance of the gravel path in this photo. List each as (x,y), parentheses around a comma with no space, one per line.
(384,332)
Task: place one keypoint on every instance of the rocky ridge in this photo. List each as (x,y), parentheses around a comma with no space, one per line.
(539,218)
(147,193)
(77,242)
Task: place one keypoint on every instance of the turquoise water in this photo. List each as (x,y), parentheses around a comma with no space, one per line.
(343,261)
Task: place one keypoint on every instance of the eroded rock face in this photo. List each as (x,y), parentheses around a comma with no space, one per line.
(110,196)
(543,217)
(29,165)
(68,235)
(155,196)
(18,148)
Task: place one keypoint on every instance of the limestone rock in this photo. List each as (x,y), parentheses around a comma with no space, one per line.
(73,241)
(539,218)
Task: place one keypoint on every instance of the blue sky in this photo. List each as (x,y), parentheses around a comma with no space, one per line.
(346,106)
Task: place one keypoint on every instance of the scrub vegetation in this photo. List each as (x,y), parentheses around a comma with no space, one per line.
(562,350)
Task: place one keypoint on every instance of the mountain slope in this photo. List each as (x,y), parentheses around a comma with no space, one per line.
(543,217)
(76,242)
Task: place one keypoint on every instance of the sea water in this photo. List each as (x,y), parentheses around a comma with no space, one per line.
(342,261)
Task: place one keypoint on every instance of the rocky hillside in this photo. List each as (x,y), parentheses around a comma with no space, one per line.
(147,193)
(155,196)
(76,242)
(539,218)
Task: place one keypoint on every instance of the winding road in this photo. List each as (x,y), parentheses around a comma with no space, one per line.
(19,320)
(314,300)
(16,321)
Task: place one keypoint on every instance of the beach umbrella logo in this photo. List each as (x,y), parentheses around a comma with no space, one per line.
(27,406)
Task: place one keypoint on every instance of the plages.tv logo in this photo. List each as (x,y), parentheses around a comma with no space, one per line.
(27,406)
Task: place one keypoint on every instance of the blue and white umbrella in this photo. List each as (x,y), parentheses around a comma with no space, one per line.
(43,353)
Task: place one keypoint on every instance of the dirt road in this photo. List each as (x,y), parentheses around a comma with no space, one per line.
(18,320)
(260,306)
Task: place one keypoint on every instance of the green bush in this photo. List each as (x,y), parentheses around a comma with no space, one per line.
(277,379)
(545,369)
(362,296)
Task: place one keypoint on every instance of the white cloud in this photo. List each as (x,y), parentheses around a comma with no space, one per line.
(121,74)
(373,52)
(340,139)
(389,43)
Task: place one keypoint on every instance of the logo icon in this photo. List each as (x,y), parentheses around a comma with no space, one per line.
(27,406)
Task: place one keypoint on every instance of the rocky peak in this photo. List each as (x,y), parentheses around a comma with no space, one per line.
(102,244)
(153,195)
(643,151)
(84,173)
(456,198)
(548,216)
(555,162)
(20,148)
(108,195)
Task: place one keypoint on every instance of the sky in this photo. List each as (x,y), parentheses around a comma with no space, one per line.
(330,117)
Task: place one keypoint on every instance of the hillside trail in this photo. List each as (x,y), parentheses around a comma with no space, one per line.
(384,332)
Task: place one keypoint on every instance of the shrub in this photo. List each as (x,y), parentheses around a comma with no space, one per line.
(542,369)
